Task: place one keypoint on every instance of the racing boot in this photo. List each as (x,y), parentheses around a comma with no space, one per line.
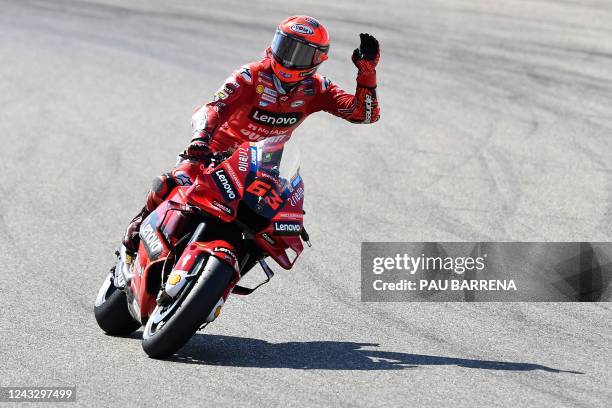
(128,249)
(131,238)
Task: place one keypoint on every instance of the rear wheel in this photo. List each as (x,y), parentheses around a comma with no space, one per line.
(170,327)
(111,310)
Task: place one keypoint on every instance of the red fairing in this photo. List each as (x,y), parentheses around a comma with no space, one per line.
(141,269)
(283,233)
(218,191)
(221,250)
(249,107)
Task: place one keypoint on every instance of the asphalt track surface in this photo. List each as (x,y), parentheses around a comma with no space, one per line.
(496,125)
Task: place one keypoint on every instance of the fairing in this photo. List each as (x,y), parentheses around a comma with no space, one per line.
(258,188)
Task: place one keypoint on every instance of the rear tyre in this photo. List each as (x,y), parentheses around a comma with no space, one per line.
(111,310)
(170,327)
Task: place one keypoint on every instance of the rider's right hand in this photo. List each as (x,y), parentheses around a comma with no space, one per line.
(198,148)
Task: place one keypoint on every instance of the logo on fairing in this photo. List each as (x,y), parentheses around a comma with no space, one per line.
(229,254)
(297,104)
(225,185)
(287,228)
(286,119)
(297,195)
(222,207)
(243,159)
(253,167)
(302,29)
(268,238)
(151,241)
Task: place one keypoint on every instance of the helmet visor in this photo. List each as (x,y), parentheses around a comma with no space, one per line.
(295,53)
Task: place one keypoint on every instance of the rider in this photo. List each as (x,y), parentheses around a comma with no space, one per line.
(270,98)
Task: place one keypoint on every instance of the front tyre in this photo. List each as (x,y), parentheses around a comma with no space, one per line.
(170,327)
(111,310)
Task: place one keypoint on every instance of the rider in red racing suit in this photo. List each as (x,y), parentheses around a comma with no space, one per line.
(270,98)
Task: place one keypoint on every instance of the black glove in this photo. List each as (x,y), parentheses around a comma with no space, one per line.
(365,59)
(368,50)
(198,149)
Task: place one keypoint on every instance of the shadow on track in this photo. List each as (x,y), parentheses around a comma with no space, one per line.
(322,355)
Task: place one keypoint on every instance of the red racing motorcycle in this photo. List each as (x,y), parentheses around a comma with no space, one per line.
(198,244)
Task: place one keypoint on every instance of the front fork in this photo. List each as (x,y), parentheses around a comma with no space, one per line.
(123,275)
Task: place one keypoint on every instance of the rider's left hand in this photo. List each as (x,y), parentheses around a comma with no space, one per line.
(367,55)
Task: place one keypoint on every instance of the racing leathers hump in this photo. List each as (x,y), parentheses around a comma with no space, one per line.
(252,106)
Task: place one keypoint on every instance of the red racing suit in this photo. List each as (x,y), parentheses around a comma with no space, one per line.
(252,106)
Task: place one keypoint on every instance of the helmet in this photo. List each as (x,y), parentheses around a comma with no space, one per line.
(300,44)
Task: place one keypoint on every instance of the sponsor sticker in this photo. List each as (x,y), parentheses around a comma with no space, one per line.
(230,255)
(270,91)
(285,119)
(243,159)
(325,84)
(182,179)
(151,241)
(268,98)
(259,89)
(297,104)
(233,176)
(296,196)
(308,73)
(368,109)
(245,72)
(312,22)
(174,279)
(222,207)
(292,215)
(268,238)
(296,181)
(302,29)
(220,95)
(284,74)
(287,228)
(225,185)
(253,158)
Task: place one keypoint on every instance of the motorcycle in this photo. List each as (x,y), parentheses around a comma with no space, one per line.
(198,244)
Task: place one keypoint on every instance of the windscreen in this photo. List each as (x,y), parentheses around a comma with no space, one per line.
(282,160)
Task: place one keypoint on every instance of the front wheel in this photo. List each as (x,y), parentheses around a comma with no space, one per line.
(170,327)
(111,310)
